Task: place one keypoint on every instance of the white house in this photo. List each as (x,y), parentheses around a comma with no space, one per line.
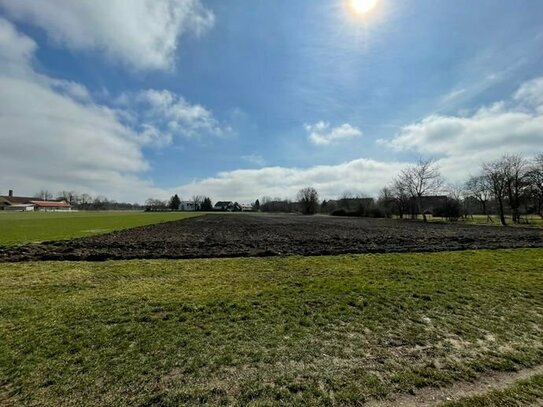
(246,207)
(187,206)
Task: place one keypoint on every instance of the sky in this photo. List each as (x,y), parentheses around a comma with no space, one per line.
(240,99)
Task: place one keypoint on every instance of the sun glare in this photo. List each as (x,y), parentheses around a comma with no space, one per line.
(361,7)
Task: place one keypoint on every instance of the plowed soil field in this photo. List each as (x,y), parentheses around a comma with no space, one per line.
(275,235)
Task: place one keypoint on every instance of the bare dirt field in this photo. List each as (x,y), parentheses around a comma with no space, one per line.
(276,235)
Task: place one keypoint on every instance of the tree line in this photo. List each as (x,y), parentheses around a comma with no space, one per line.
(200,202)
(511,185)
(84,201)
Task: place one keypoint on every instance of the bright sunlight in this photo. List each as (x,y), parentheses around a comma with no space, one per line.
(361,7)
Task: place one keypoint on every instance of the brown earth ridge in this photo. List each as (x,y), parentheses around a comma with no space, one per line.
(275,235)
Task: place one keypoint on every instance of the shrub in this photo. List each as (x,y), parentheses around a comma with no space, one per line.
(450,210)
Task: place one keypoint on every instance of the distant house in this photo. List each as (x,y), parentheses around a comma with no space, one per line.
(246,207)
(51,205)
(351,204)
(223,206)
(188,206)
(227,206)
(11,202)
(429,203)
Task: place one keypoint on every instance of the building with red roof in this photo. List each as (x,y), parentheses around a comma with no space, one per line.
(24,204)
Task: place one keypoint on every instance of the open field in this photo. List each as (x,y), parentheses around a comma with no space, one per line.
(269,235)
(328,330)
(20,228)
(531,220)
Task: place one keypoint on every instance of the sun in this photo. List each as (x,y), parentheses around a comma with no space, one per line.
(361,7)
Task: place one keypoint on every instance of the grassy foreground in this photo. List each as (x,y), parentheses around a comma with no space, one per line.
(332,330)
(23,227)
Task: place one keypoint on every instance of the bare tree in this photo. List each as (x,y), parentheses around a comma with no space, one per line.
(495,173)
(420,180)
(85,200)
(401,196)
(44,195)
(154,204)
(480,188)
(535,180)
(308,199)
(100,203)
(345,199)
(386,200)
(198,201)
(456,196)
(515,171)
(68,196)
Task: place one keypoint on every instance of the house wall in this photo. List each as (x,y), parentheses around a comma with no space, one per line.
(38,209)
(187,206)
(17,208)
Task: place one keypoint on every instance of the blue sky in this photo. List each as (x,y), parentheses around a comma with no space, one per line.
(240,99)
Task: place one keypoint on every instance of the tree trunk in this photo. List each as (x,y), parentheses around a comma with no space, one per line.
(485,212)
(421,209)
(502,214)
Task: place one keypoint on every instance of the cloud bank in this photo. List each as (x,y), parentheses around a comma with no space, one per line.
(56,136)
(143,34)
(53,137)
(462,142)
(362,176)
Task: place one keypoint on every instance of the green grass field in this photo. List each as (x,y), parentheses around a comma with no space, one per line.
(334,330)
(20,228)
(528,221)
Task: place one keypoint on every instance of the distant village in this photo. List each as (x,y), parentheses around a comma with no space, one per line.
(510,186)
(347,205)
(69,201)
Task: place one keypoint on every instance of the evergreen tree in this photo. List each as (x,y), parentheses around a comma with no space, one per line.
(206,205)
(174,203)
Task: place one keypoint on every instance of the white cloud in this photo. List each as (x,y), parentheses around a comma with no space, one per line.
(16,50)
(531,94)
(463,142)
(452,95)
(58,138)
(141,33)
(255,159)
(320,133)
(362,175)
(173,115)
(72,89)
(55,137)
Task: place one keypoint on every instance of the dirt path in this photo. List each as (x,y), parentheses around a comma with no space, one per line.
(428,397)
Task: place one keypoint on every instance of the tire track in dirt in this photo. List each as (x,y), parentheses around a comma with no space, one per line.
(431,397)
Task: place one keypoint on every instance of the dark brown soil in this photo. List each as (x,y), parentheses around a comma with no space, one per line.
(275,235)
